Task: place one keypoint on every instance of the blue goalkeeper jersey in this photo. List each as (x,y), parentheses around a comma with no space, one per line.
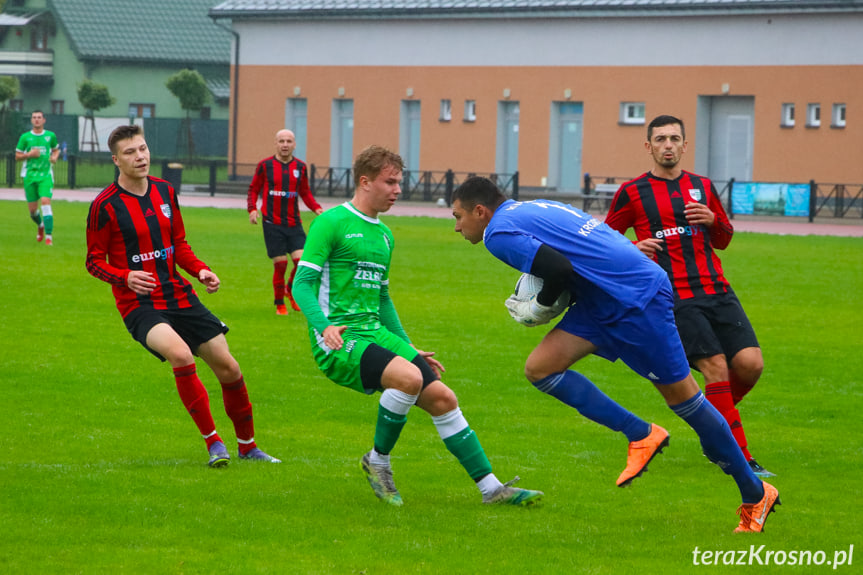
(610,274)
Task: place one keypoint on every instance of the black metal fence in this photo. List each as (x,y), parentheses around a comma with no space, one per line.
(167,136)
(825,199)
(424,186)
(97,170)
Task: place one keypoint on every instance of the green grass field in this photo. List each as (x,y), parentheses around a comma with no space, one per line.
(102,471)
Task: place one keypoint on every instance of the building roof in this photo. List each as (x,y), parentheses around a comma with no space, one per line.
(508,8)
(163,31)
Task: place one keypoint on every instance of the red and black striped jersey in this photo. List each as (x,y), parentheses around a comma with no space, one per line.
(281,185)
(128,232)
(654,208)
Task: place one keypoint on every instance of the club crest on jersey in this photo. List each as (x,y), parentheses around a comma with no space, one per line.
(166,209)
(296,173)
(695,195)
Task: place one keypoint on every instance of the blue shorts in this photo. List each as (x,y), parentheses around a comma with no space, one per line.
(644,339)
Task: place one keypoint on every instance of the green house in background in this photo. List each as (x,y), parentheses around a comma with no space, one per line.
(132,47)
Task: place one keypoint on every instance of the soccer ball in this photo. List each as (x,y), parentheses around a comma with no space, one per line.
(529,285)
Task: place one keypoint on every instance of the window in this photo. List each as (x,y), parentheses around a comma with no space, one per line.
(813,115)
(206,112)
(38,39)
(838,120)
(787,116)
(16,105)
(632,113)
(57,107)
(445,110)
(142,110)
(470,110)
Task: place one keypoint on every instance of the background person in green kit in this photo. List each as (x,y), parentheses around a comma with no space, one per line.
(39,150)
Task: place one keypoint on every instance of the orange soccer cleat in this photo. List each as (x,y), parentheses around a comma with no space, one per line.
(281,309)
(753,516)
(641,453)
(293,303)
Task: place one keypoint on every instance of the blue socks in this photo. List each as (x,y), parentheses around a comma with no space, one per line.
(577,391)
(719,445)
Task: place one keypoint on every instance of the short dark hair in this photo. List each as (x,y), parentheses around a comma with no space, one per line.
(478,190)
(665,120)
(371,162)
(38,112)
(123,133)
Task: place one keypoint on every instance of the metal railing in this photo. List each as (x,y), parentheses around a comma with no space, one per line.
(825,199)
(426,186)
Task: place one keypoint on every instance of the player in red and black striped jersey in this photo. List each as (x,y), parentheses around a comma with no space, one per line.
(135,241)
(679,221)
(280,181)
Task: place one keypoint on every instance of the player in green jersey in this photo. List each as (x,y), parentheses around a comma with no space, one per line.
(342,286)
(39,151)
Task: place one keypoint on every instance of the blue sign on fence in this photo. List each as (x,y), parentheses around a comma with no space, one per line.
(770,199)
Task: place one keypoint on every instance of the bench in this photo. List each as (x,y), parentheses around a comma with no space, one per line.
(601,195)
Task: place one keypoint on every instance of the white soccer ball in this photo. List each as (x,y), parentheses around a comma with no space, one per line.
(529,285)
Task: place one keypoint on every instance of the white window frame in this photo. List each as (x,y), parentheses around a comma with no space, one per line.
(445,110)
(470,110)
(629,113)
(813,115)
(788,115)
(838,118)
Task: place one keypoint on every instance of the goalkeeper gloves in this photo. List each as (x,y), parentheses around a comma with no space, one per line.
(530,312)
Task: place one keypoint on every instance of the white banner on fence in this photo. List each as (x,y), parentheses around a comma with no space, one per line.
(94,137)
(770,199)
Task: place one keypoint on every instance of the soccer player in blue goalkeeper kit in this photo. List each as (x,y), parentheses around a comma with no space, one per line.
(624,309)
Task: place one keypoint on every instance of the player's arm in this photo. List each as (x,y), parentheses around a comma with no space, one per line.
(305,192)
(307,277)
(722,231)
(389,315)
(316,252)
(258,181)
(520,251)
(98,242)
(555,269)
(621,216)
(183,254)
(21,154)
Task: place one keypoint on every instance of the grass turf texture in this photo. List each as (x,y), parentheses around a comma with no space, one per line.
(102,471)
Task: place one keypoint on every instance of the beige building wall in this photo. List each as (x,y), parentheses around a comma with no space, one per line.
(609,149)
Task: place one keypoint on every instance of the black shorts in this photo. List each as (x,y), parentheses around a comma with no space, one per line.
(195,325)
(374,361)
(282,240)
(713,325)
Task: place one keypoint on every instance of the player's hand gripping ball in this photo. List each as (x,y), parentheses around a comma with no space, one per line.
(524,308)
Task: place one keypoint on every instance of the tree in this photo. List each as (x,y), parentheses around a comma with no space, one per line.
(191,89)
(9,88)
(93,96)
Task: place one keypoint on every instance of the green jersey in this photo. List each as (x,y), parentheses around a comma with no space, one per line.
(35,169)
(346,261)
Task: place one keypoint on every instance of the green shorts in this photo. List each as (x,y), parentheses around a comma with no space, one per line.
(33,190)
(343,366)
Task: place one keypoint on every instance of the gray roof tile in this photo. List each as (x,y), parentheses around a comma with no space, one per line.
(177,31)
(420,8)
